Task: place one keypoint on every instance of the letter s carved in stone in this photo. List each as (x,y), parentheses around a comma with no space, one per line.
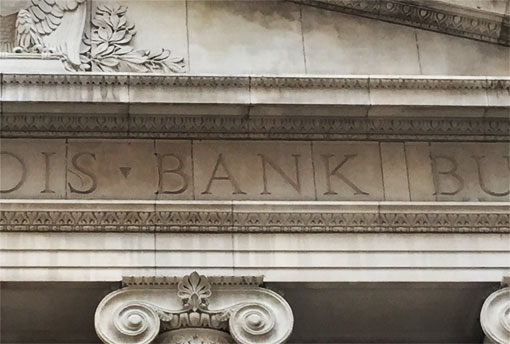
(84,170)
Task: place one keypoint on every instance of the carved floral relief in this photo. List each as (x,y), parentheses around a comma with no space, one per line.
(108,47)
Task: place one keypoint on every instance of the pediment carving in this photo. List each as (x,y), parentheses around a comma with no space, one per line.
(49,29)
(108,48)
(43,27)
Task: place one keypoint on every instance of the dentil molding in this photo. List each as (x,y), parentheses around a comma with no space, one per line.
(193,309)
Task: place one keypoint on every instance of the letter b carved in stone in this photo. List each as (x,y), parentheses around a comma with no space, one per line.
(177,171)
(450,172)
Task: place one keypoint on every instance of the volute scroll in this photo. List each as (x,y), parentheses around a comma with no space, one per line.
(215,310)
(495,317)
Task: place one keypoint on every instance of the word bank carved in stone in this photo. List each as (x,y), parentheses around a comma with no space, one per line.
(254,170)
(56,29)
(193,309)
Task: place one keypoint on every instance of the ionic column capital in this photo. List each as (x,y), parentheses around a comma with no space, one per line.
(495,317)
(216,310)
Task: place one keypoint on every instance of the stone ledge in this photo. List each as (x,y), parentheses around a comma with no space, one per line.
(172,93)
(251,216)
(254,107)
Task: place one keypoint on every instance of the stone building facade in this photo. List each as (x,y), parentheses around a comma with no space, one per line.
(306,171)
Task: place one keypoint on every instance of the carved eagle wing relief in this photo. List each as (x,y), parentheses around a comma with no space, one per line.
(57,27)
(61,23)
(26,36)
(45,26)
(8,14)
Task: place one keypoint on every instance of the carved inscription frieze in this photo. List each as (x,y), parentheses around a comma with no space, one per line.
(253,170)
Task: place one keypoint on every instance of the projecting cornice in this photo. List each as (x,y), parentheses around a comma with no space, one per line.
(285,107)
(431,15)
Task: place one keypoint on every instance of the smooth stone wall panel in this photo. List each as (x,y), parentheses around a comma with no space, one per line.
(496,6)
(448,55)
(297,257)
(419,170)
(394,169)
(241,37)
(337,43)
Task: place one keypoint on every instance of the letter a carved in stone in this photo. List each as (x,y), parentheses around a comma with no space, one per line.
(228,177)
